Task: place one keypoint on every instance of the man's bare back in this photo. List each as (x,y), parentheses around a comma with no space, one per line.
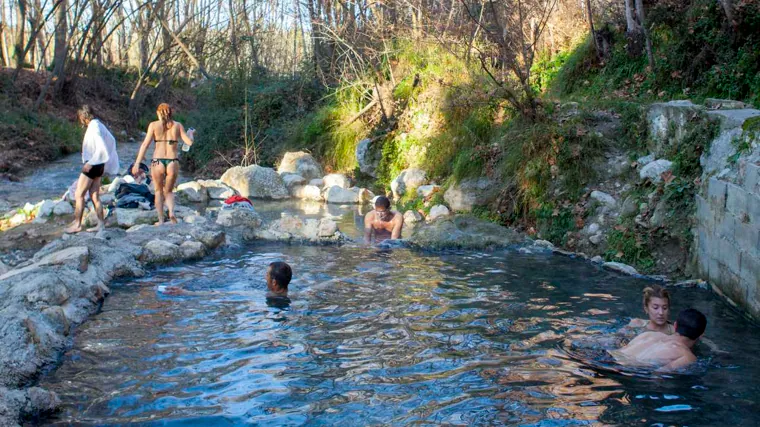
(655,349)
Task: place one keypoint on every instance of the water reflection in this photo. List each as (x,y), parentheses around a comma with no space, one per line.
(389,337)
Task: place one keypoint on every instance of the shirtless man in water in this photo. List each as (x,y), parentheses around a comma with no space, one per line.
(382,221)
(665,352)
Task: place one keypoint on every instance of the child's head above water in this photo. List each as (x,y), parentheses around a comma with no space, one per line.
(278,277)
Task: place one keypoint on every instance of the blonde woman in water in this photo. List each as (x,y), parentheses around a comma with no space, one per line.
(164,168)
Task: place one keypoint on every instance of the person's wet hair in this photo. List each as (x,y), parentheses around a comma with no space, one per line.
(383,202)
(655,292)
(281,273)
(691,323)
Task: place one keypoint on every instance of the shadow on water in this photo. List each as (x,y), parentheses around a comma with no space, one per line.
(389,336)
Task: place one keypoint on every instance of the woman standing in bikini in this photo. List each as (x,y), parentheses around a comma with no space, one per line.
(164,168)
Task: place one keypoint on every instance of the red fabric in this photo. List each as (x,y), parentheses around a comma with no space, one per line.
(236,199)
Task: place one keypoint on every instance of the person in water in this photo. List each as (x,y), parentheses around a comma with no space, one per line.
(657,307)
(99,157)
(666,352)
(277,277)
(164,168)
(383,222)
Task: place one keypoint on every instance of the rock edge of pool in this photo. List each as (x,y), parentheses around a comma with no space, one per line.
(67,281)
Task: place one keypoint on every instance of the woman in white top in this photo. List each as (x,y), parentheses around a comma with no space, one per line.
(99,157)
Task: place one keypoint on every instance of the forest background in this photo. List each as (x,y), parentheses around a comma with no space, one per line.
(508,90)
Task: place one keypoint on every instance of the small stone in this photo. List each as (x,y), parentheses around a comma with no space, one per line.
(407,180)
(543,244)
(427,190)
(621,268)
(597,260)
(341,196)
(191,192)
(604,198)
(654,170)
(239,218)
(629,206)
(46,208)
(643,161)
(596,238)
(159,251)
(317,182)
(593,228)
(307,192)
(438,211)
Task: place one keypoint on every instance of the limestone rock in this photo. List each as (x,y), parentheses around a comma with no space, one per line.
(3,268)
(239,218)
(412,217)
(660,212)
(367,157)
(342,196)
(668,123)
(292,180)
(604,198)
(336,179)
(317,182)
(468,193)
(438,211)
(195,219)
(46,208)
(256,182)
(427,190)
(307,192)
(300,163)
(596,239)
(407,180)
(654,170)
(629,207)
(192,250)
(216,189)
(716,159)
(645,160)
(191,192)
(63,208)
(160,251)
(464,232)
(724,104)
(327,227)
(212,239)
(363,195)
(621,268)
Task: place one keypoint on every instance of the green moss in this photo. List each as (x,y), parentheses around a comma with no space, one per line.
(624,245)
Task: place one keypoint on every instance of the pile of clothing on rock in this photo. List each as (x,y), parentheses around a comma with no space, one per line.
(129,192)
(237,202)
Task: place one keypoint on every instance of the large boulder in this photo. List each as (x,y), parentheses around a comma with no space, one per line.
(426,191)
(63,208)
(127,218)
(463,232)
(669,123)
(256,182)
(239,218)
(407,180)
(292,180)
(367,157)
(191,192)
(336,179)
(291,227)
(300,163)
(471,192)
(436,212)
(216,189)
(307,192)
(364,195)
(342,196)
(46,208)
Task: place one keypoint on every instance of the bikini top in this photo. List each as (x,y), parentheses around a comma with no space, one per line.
(643,329)
(170,141)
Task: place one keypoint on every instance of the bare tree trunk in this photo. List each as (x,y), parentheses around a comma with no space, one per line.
(3,42)
(591,29)
(61,46)
(233,37)
(633,30)
(648,41)
(18,47)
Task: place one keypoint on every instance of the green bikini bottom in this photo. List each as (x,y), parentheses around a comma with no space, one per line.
(165,162)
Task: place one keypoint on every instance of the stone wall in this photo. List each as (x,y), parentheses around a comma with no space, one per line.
(728,238)
(726,250)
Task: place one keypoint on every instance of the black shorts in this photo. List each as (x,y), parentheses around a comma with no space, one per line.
(96,171)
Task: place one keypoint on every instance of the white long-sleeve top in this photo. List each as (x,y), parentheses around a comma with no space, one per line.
(99,147)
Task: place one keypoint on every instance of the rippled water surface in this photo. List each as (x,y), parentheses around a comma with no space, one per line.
(389,337)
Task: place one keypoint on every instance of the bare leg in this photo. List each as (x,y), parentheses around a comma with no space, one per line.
(82,186)
(158,172)
(95,196)
(172,172)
